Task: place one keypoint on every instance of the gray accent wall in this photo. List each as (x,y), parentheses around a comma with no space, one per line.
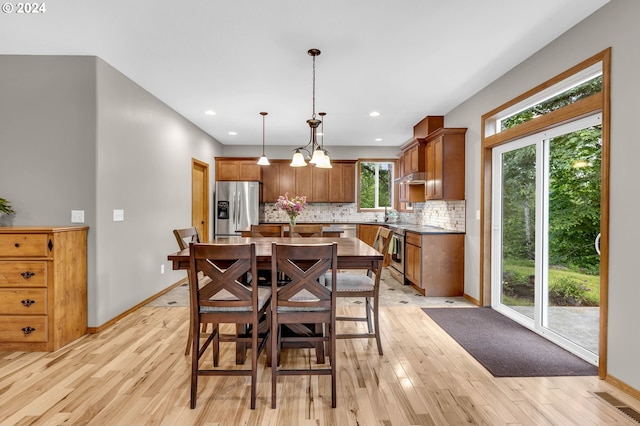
(77,134)
(615,25)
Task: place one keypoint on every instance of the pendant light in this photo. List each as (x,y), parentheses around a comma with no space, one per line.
(313,122)
(325,162)
(263,161)
(298,159)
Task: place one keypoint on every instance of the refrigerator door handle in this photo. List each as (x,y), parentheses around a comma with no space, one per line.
(238,213)
(235,211)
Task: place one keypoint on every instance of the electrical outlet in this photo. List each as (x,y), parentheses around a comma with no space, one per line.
(118,215)
(77,216)
(162,269)
(477,214)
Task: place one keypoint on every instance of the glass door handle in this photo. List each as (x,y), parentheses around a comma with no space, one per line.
(597,244)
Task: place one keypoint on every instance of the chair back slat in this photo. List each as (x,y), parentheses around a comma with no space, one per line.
(185,236)
(304,267)
(383,242)
(306,230)
(267,230)
(225,265)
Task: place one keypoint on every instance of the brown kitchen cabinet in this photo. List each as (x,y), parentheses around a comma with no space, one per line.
(238,169)
(411,159)
(342,182)
(434,263)
(335,185)
(445,157)
(270,182)
(304,182)
(278,178)
(43,287)
(320,184)
(412,259)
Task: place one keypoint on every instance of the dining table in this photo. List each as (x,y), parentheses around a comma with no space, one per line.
(353,253)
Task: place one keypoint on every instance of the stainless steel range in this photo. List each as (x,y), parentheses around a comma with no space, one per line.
(396,251)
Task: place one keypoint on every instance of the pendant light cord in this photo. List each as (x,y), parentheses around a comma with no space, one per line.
(313,115)
(263,114)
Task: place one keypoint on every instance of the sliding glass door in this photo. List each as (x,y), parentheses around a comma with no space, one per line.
(546,207)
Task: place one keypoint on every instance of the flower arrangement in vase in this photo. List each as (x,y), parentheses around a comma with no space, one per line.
(292,206)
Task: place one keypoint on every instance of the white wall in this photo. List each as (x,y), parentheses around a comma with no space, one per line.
(78,135)
(47,137)
(144,154)
(615,25)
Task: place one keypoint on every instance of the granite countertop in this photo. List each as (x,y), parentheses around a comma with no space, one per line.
(329,228)
(421,229)
(411,227)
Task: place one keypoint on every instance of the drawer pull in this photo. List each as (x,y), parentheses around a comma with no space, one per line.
(27,302)
(28,330)
(27,275)
(17,245)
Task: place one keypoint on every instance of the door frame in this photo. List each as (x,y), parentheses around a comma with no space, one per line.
(541,143)
(195,198)
(596,103)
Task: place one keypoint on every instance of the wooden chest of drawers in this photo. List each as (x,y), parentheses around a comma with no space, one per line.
(43,287)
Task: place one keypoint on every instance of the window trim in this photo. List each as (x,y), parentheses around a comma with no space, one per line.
(394,201)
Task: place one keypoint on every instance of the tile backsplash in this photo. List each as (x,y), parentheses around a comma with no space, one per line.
(445,214)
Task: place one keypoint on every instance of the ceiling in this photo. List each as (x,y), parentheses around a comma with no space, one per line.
(404,58)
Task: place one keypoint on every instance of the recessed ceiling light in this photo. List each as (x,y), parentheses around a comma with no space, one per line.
(378,139)
(374,113)
(210,112)
(233,133)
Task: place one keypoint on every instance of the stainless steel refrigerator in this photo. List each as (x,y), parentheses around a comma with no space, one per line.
(237,207)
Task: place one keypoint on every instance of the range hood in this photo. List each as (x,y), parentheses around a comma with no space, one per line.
(417,177)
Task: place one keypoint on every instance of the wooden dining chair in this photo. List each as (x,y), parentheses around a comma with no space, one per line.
(225,299)
(184,237)
(267,230)
(300,301)
(351,284)
(309,230)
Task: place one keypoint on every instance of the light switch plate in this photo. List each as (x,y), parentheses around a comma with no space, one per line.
(77,216)
(118,215)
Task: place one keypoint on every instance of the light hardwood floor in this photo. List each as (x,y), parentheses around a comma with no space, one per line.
(135,372)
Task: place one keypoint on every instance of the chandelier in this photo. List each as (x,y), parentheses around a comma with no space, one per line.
(313,149)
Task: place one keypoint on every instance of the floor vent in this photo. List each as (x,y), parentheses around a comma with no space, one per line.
(619,405)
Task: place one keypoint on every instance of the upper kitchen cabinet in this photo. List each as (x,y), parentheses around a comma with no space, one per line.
(413,161)
(304,182)
(239,169)
(413,153)
(335,185)
(278,178)
(342,182)
(445,164)
(320,187)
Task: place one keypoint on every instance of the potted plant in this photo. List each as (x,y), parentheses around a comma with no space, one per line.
(5,206)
